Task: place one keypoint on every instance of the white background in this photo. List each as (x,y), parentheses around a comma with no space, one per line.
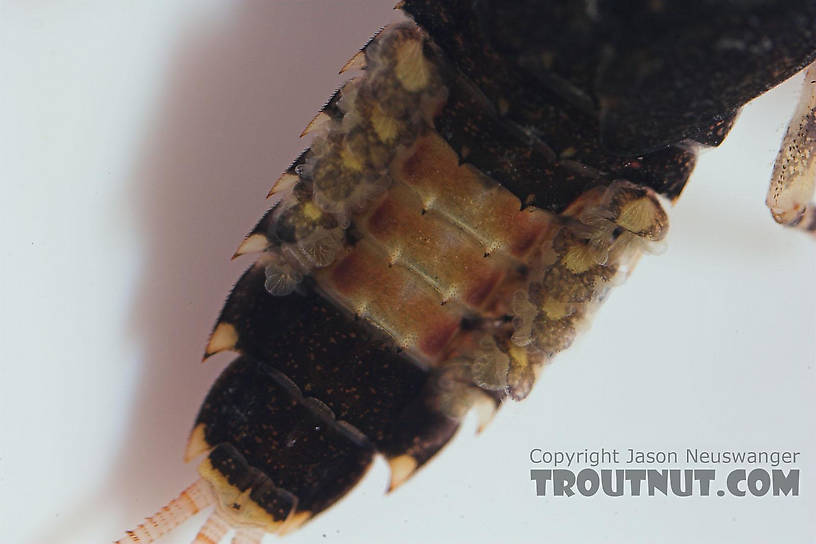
(137,141)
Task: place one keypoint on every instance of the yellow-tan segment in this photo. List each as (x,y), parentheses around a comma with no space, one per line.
(196,444)
(469,199)
(254,243)
(442,233)
(393,299)
(401,467)
(223,338)
(448,258)
(357,62)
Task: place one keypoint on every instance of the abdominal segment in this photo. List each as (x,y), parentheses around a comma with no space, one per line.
(420,262)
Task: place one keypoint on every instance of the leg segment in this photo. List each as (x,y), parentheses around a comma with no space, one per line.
(790,196)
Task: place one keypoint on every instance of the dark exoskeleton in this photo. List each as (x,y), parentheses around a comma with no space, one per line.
(467,202)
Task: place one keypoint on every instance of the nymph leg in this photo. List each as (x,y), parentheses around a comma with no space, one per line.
(790,196)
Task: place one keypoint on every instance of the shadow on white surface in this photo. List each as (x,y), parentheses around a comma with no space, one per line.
(225,126)
(235,96)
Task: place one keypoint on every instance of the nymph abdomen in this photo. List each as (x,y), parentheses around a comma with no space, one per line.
(398,287)
(450,230)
